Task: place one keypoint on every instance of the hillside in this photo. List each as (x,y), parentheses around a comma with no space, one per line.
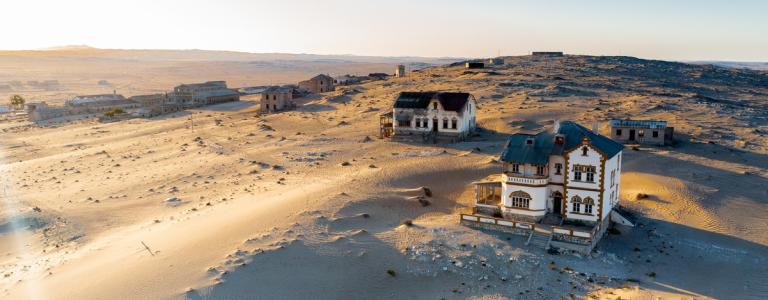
(310,204)
(78,69)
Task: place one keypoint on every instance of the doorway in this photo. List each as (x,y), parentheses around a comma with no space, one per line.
(557,204)
(631,134)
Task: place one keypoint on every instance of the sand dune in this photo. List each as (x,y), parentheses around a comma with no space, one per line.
(301,204)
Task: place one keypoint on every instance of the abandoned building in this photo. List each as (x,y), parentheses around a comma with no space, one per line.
(431,115)
(278,98)
(558,187)
(495,61)
(347,80)
(319,84)
(207,93)
(41,111)
(648,132)
(548,53)
(400,71)
(154,105)
(97,104)
(474,65)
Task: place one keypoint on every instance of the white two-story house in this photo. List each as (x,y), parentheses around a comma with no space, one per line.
(434,114)
(564,182)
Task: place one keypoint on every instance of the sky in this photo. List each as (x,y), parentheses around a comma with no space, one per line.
(675,30)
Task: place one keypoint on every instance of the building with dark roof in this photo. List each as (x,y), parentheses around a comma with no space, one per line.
(434,115)
(565,182)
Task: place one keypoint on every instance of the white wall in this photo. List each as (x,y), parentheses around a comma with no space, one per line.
(465,120)
(592,158)
(538,204)
(614,163)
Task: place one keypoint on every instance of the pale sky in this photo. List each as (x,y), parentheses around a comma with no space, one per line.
(675,30)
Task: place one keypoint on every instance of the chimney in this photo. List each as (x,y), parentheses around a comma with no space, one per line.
(595,127)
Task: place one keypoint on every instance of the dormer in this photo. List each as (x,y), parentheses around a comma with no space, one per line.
(559,139)
(530,141)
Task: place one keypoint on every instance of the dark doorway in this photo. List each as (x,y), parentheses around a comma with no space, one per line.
(631,134)
(557,204)
(434,125)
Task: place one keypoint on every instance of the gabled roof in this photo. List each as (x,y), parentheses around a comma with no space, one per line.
(519,151)
(321,77)
(420,100)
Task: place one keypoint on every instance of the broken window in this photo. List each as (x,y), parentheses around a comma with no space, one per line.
(584,151)
(445,123)
(618,132)
(434,105)
(655,133)
(454,124)
(558,168)
(641,133)
(404,123)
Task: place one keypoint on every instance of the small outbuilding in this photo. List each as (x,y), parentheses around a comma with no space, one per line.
(649,132)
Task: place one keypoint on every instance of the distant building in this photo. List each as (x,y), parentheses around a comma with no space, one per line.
(154,105)
(378,76)
(400,71)
(642,132)
(94,104)
(558,187)
(278,98)
(347,79)
(432,115)
(41,111)
(495,61)
(199,94)
(319,84)
(474,65)
(4,109)
(547,53)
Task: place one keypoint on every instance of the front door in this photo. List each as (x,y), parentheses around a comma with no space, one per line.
(631,134)
(557,205)
(434,125)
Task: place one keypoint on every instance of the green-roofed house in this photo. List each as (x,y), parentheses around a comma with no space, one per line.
(560,187)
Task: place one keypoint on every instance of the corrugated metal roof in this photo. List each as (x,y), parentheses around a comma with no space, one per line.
(420,100)
(518,150)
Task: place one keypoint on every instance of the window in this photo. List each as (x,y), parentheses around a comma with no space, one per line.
(454,124)
(540,170)
(515,168)
(618,132)
(445,123)
(434,105)
(588,204)
(558,168)
(576,204)
(641,133)
(403,123)
(655,133)
(584,151)
(580,169)
(519,199)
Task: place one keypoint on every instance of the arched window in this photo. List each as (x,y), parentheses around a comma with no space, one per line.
(519,199)
(454,123)
(588,203)
(445,123)
(576,206)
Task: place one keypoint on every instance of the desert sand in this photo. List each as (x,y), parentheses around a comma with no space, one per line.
(222,202)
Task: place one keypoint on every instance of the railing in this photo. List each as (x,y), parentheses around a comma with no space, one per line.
(526,180)
(497,221)
(573,232)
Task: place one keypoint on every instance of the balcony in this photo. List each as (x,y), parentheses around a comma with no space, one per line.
(526,180)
